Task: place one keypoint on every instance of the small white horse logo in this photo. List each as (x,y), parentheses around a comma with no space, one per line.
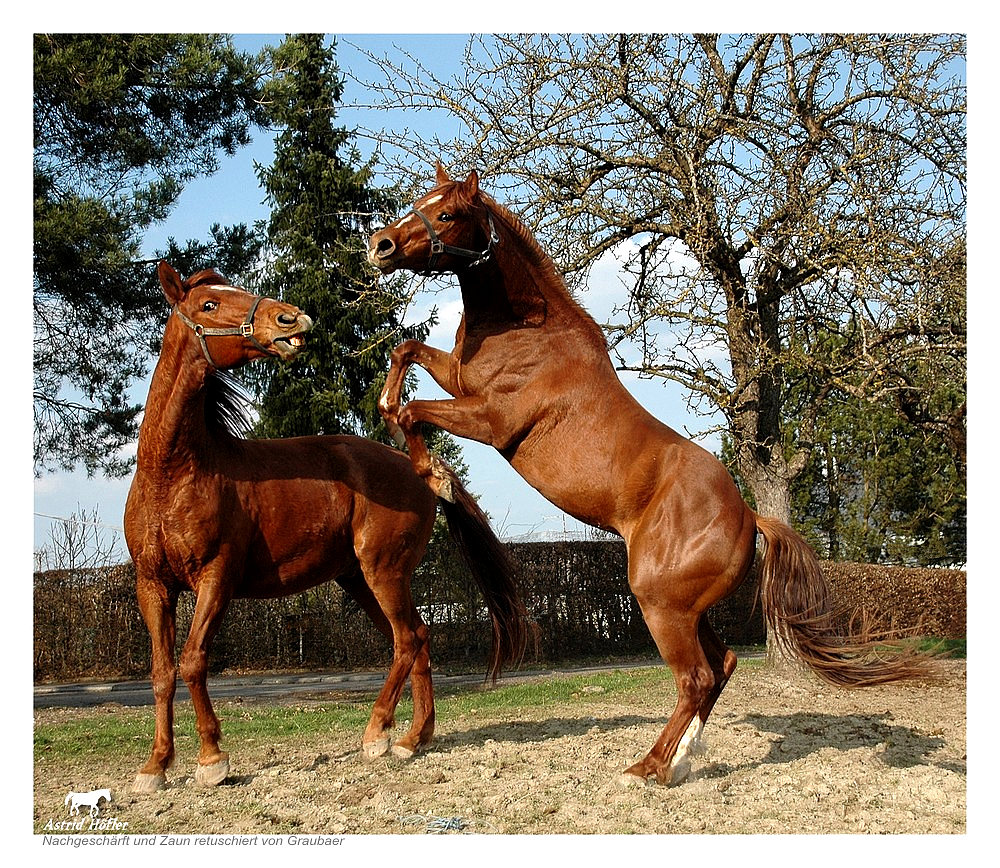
(91,799)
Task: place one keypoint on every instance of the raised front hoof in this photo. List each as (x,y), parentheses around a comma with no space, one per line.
(397,434)
(212,774)
(372,750)
(145,783)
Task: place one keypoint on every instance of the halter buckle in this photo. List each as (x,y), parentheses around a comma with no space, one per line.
(246,329)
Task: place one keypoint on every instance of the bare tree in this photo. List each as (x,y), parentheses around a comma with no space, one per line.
(784,206)
(80,542)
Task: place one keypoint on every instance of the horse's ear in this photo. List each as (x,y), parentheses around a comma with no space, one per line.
(471,184)
(441,174)
(170,280)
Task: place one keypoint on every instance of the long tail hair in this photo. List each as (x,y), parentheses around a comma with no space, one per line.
(495,573)
(796,604)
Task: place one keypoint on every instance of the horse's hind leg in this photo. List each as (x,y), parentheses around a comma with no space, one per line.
(720,658)
(676,637)
(158,607)
(213,599)
(411,658)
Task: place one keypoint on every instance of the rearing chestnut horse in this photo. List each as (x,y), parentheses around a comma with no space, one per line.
(227,517)
(530,374)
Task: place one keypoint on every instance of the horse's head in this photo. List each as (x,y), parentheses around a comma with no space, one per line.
(232,325)
(448,229)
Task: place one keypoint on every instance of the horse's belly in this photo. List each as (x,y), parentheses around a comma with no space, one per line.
(580,488)
(297,555)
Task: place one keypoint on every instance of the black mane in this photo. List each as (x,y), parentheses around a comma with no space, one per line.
(229,407)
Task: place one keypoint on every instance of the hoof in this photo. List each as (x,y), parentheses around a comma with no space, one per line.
(691,745)
(397,434)
(440,480)
(442,488)
(149,783)
(678,773)
(403,753)
(628,781)
(212,775)
(374,749)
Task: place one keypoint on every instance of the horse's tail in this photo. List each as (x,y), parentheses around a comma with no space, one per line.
(495,573)
(68,797)
(796,603)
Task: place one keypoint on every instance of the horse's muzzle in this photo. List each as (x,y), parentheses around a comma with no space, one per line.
(289,345)
(382,253)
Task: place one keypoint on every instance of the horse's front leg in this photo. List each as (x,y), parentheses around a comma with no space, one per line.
(437,363)
(213,600)
(469,417)
(159,607)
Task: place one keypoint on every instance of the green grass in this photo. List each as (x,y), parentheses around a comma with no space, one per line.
(954,648)
(128,732)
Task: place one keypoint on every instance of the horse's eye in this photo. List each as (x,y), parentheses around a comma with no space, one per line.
(209,306)
(445,217)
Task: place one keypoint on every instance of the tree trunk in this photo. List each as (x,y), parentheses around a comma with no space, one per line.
(770,487)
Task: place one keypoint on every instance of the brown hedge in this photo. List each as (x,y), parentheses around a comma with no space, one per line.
(87,623)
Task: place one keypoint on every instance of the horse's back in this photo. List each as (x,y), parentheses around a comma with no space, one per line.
(290,510)
(319,501)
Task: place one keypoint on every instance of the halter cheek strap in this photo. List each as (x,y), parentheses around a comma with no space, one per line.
(438,247)
(245,329)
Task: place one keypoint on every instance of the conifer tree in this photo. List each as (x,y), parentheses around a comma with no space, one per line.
(324,208)
(121,123)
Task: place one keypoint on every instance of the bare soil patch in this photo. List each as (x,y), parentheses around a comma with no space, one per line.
(786,754)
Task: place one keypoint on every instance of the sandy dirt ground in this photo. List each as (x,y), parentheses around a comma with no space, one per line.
(785,754)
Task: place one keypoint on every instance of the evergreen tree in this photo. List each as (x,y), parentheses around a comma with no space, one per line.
(878,489)
(324,209)
(121,123)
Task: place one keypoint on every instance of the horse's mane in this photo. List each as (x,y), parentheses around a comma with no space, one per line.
(545,264)
(207,276)
(228,405)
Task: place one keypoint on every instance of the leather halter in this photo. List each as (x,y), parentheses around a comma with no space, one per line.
(245,329)
(438,247)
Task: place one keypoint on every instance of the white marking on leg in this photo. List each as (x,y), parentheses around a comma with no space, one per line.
(690,745)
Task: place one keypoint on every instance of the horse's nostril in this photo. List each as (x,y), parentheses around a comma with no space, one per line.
(385,247)
(287,319)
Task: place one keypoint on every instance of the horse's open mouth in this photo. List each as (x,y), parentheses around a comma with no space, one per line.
(289,346)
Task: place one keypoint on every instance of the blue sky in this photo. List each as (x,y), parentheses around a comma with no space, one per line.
(233,196)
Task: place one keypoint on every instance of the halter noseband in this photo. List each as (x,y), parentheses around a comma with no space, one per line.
(245,329)
(438,247)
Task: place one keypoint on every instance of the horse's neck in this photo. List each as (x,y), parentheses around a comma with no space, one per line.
(173,426)
(523,282)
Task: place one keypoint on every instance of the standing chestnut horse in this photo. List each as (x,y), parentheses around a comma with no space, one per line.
(228,517)
(530,375)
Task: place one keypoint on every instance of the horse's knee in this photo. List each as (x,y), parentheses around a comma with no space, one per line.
(403,354)
(406,645)
(695,684)
(193,665)
(423,636)
(165,683)
(406,419)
